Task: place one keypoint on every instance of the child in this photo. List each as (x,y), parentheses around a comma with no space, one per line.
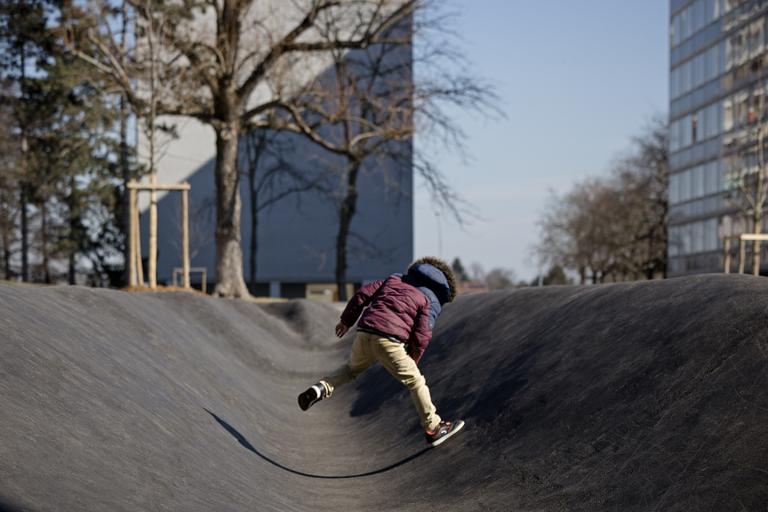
(394,330)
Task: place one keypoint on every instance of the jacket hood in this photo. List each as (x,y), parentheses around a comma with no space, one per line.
(426,275)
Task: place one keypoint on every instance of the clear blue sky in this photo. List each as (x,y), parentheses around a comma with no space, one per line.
(577,81)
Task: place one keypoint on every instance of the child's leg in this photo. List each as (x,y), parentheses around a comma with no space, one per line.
(399,364)
(360,359)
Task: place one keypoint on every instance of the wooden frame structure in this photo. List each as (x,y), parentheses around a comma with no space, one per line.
(135,267)
(203,271)
(743,239)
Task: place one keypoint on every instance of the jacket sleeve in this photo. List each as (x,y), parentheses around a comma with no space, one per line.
(359,301)
(420,335)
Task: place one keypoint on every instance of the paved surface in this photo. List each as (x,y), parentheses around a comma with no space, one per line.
(639,397)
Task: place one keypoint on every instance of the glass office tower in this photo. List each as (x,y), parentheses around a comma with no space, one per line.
(718,67)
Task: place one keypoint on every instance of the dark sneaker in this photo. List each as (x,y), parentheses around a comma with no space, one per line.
(443,431)
(311,396)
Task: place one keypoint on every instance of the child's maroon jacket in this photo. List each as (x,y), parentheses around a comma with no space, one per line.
(397,310)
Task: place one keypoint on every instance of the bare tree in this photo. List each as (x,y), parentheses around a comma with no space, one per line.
(476,271)
(271,178)
(499,279)
(368,106)
(613,228)
(220,52)
(747,178)
(651,169)
(576,230)
(127,169)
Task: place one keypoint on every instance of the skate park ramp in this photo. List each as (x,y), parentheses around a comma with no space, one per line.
(633,397)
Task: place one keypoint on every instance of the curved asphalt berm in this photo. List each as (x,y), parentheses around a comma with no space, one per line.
(636,397)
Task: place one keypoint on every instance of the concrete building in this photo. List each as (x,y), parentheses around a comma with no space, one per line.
(295,249)
(718,64)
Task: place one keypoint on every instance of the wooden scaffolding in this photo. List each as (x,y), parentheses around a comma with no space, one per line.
(135,267)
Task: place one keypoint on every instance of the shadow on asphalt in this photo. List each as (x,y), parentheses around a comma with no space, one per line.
(6,506)
(248,446)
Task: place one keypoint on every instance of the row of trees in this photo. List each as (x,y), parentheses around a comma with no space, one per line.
(240,66)
(58,200)
(500,278)
(613,228)
(495,279)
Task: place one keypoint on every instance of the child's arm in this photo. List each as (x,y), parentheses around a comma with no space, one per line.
(420,335)
(358,302)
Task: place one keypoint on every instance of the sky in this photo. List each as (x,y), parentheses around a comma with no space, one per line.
(577,80)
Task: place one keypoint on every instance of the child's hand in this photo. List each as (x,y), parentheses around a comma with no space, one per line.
(341,329)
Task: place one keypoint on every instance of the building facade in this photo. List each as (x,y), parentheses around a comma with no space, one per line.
(718,66)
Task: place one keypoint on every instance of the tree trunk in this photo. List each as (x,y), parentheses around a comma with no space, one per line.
(346,212)
(24,233)
(229,253)
(650,269)
(152,261)
(757,228)
(44,243)
(152,239)
(126,177)
(73,234)
(71,271)
(6,227)
(254,227)
(6,234)
(23,185)
(7,272)
(125,168)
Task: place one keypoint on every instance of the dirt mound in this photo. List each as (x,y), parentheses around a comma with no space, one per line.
(648,396)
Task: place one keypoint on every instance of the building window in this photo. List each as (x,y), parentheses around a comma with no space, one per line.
(694,18)
(689,127)
(711,238)
(696,72)
(741,108)
(712,178)
(698,181)
(694,128)
(674,189)
(755,38)
(685,185)
(727,114)
(745,44)
(694,237)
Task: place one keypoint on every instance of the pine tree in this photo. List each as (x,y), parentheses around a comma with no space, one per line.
(24,45)
(458,270)
(63,165)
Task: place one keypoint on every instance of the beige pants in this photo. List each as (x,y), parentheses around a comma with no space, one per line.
(369,348)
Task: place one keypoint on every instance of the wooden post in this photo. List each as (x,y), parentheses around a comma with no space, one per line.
(136,265)
(742,255)
(185,236)
(132,279)
(137,244)
(152,238)
(727,254)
